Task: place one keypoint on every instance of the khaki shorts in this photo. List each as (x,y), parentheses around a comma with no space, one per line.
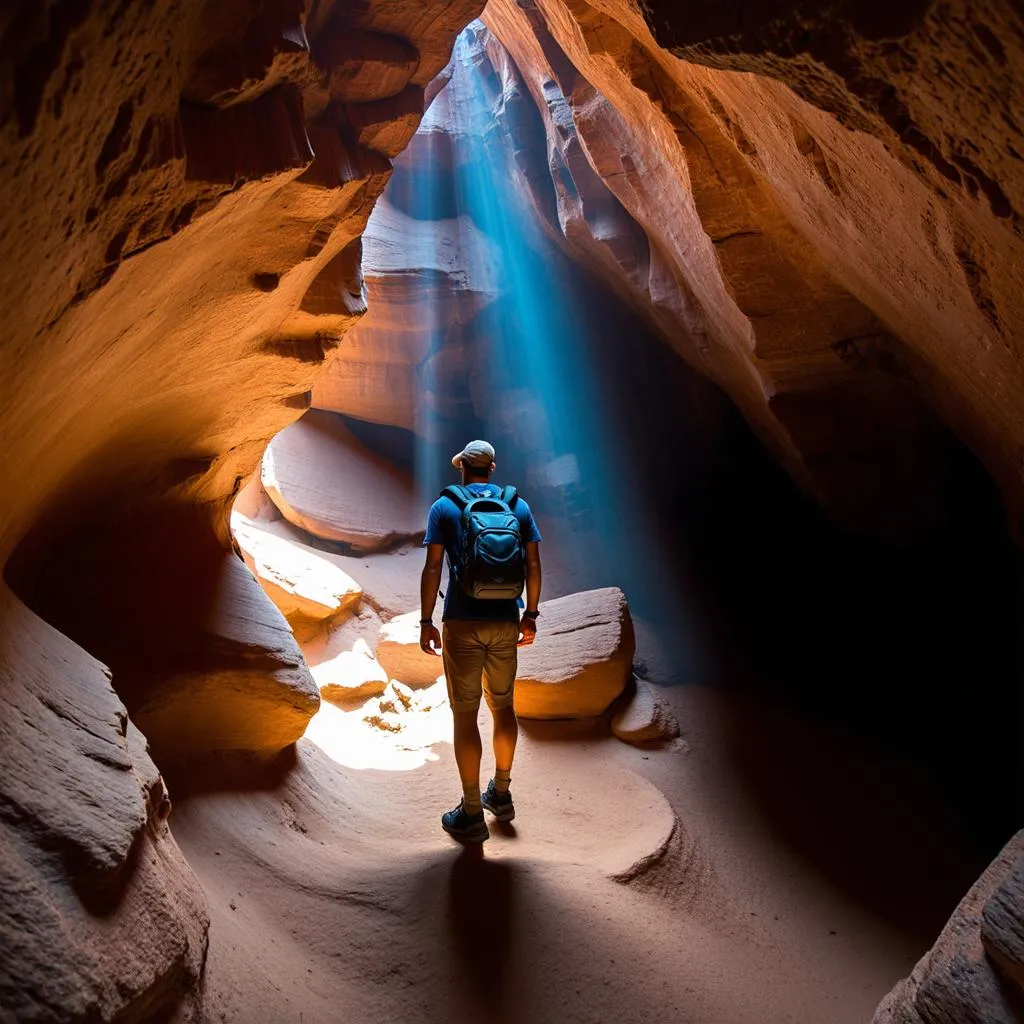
(480,657)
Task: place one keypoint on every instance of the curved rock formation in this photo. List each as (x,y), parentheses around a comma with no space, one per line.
(646,718)
(191,182)
(839,276)
(956,980)
(820,210)
(325,482)
(426,279)
(99,912)
(308,590)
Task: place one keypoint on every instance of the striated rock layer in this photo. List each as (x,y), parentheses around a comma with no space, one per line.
(187,185)
(956,980)
(832,238)
(829,210)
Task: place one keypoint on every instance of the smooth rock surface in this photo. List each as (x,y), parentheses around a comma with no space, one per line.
(425,282)
(310,591)
(257,695)
(582,657)
(328,483)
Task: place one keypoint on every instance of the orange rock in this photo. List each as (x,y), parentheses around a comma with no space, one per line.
(310,591)
(172,217)
(810,269)
(582,657)
(398,651)
(256,695)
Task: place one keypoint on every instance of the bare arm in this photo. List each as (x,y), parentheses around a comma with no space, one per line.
(430,581)
(528,627)
(533,575)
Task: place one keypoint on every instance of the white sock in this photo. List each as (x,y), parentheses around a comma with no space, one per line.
(471,799)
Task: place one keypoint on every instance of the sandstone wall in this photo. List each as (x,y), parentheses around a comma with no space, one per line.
(186,184)
(829,215)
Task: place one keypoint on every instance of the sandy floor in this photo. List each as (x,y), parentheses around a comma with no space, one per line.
(634,885)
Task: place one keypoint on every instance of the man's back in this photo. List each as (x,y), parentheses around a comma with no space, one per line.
(445,526)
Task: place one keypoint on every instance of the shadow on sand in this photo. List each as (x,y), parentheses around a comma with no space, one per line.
(481,912)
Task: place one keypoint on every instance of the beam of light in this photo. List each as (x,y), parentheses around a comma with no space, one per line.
(536,385)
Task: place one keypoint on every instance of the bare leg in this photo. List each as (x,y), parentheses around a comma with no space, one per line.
(468,748)
(506,732)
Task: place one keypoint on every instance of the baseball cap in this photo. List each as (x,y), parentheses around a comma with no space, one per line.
(476,453)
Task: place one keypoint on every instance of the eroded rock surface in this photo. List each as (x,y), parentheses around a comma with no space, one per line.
(646,718)
(192,182)
(582,657)
(98,909)
(1002,922)
(828,238)
(956,980)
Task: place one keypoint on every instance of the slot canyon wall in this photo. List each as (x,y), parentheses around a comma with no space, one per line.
(820,213)
(188,184)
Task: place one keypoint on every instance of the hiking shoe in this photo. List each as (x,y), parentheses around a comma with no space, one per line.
(499,804)
(469,827)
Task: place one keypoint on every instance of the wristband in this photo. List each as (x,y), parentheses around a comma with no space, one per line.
(531,615)
(426,622)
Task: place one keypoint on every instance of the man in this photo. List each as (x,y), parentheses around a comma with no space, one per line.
(479,645)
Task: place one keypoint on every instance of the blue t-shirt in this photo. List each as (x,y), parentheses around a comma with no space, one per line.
(444,526)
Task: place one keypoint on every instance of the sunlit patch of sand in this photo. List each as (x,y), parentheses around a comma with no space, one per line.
(383,732)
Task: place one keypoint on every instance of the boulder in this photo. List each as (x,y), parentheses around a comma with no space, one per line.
(390,581)
(309,590)
(328,483)
(351,675)
(582,657)
(646,718)
(398,651)
(956,981)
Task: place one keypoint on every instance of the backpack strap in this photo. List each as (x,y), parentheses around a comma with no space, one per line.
(509,495)
(458,494)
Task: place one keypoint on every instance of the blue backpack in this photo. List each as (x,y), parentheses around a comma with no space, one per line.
(490,562)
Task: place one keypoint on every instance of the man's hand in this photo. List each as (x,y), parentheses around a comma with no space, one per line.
(430,639)
(527,632)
